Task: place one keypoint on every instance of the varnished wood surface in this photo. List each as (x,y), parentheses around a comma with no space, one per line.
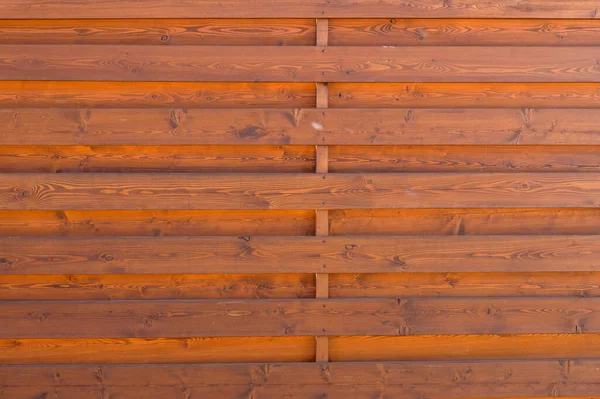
(258,32)
(442,126)
(299,63)
(466,158)
(59,94)
(463,32)
(468,95)
(270,317)
(183,255)
(106,191)
(444,380)
(20,9)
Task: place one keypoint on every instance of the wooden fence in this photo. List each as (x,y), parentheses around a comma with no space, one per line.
(299,199)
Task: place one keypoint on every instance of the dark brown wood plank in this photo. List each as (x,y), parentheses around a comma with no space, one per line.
(258,32)
(85,126)
(300,63)
(452,158)
(271,317)
(41,9)
(463,32)
(177,255)
(108,191)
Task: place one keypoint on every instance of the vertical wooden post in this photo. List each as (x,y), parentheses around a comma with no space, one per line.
(322,215)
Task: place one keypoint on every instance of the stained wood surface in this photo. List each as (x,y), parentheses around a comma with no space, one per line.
(468,95)
(57,94)
(20,9)
(86,126)
(463,32)
(263,380)
(19,191)
(261,32)
(270,317)
(299,63)
(183,255)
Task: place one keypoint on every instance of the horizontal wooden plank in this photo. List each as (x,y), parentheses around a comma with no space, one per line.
(299,63)
(189,255)
(489,221)
(12,9)
(296,349)
(449,158)
(464,347)
(85,126)
(157,350)
(161,286)
(463,32)
(402,285)
(436,379)
(58,94)
(307,317)
(157,223)
(258,32)
(157,159)
(108,191)
(454,95)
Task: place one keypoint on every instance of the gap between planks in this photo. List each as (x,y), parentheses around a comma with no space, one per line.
(322,215)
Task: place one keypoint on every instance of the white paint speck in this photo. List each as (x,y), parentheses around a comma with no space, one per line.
(317,126)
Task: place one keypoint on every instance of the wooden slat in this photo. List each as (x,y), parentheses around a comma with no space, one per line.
(279,317)
(442,380)
(158,350)
(386,222)
(12,9)
(465,347)
(464,32)
(80,126)
(468,95)
(299,63)
(157,159)
(108,191)
(161,286)
(259,32)
(183,255)
(402,159)
(57,94)
(157,223)
(401,285)
(297,349)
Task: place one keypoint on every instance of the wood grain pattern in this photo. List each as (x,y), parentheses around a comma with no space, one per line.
(463,32)
(108,191)
(299,63)
(468,95)
(216,255)
(444,380)
(57,94)
(449,158)
(459,222)
(86,126)
(465,347)
(257,32)
(161,286)
(156,223)
(157,159)
(308,317)
(156,350)
(398,285)
(12,9)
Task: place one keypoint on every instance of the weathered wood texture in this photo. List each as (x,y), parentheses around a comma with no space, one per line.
(183,255)
(296,191)
(20,9)
(299,63)
(85,126)
(309,317)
